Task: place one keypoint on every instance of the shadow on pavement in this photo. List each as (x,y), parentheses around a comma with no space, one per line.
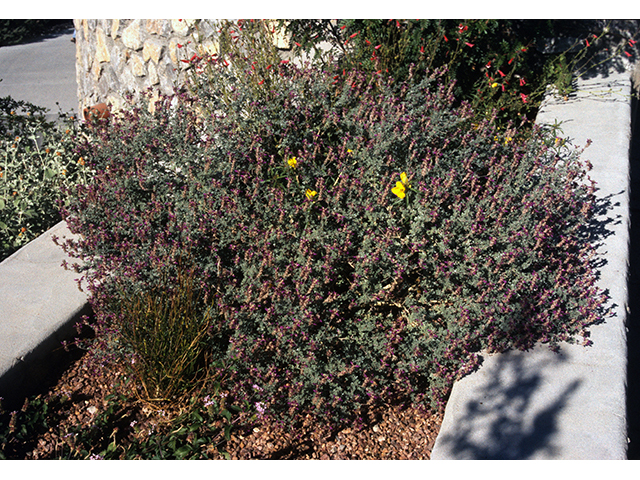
(498,428)
(26,33)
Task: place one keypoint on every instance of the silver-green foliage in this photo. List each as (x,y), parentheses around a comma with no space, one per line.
(37,163)
(336,281)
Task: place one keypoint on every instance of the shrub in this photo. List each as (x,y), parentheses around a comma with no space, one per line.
(498,65)
(359,240)
(36,162)
(15,31)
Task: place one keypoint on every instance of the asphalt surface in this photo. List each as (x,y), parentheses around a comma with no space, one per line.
(42,71)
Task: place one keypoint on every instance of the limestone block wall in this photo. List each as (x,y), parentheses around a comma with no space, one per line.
(119,57)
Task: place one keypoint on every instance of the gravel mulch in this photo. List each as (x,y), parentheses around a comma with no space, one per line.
(392,433)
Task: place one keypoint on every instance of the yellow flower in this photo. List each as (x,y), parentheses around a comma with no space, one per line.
(494,85)
(399,189)
(311,193)
(292,162)
(81,161)
(349,150)
(507,140)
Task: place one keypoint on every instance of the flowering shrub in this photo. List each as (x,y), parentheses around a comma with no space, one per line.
(36,161)
(498,65)
(356,240)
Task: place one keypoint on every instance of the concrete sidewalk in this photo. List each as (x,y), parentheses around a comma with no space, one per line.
(571,405)
(39,300)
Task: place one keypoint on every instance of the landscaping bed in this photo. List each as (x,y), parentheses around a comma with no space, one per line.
(298,262)
(80,395)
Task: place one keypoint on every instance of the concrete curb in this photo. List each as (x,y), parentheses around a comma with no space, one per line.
(570,405)
(40,302)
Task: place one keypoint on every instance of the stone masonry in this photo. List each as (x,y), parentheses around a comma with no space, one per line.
(119,57)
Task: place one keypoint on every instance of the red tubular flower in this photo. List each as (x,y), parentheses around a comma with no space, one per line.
(522,82)
(501,74)
(632,41)
(445,38)
(468,44)
(489,64)
(354,35)
(511,60)
(587,42)
(261,82)
(421,48)
(627,53)
(524,98)
(284,61)
(377,46)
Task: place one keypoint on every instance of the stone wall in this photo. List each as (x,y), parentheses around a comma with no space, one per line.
(119,57)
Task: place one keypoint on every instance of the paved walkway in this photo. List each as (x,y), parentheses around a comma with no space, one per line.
(571,405)
(39,300)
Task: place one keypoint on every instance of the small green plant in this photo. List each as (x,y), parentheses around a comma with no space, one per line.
(37,162)
(199,430)
(19,429)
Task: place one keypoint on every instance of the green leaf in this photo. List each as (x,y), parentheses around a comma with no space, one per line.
(226,414)
(2,204)
(183,451)
(49,173)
